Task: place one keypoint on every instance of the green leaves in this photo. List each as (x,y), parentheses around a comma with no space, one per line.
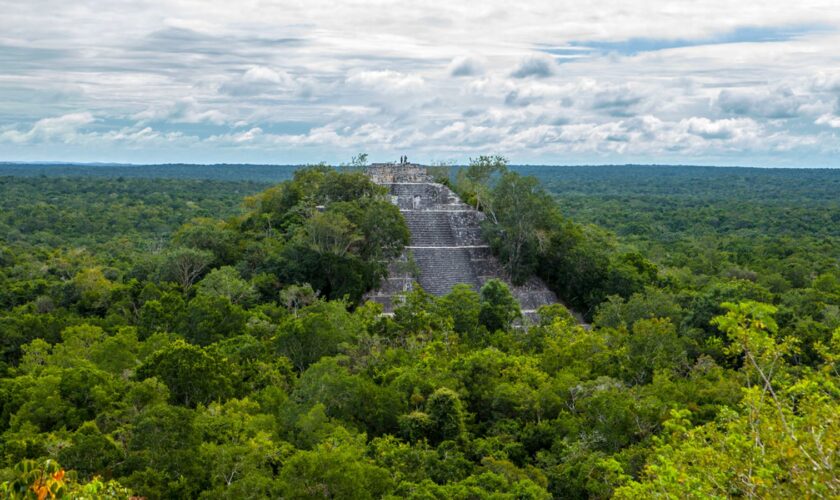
(330,233)
(336,468)
(520,224)
(192,375)
(749,326)
(185,266)
(226,282)
(498,307)
(475,181)
(47,479)
(446,416)
(317,331)
(782,441)
(222,366)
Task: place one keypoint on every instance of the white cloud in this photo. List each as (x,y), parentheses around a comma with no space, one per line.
(262,80)
(435,78)
(261,74)
(466,66)
(768,103)
(60,128)
(385,81)
(186,110)
(533,66)
(830,120)
(617,101)
(826,82)
(717,129)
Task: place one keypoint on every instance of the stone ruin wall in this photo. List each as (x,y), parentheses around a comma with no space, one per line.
(387,173)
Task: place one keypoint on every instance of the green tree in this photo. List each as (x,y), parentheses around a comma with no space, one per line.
(463,305)
(163,453)
(499,308)
(226,282)
(317,331)
(359,161)
(192,375)
(330,233)
(446,415)
(383,229)
(353,398)
(38,480)
(91,453)
(211,235)
(654,346)
(521,224)
(185,266)
(781,442)
(476,180)
(295,297)
(336,468)
(94,289)
(211,318)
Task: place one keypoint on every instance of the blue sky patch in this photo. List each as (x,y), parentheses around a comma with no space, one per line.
(633,46)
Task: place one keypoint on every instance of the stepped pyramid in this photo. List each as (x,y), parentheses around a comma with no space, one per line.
(446,244)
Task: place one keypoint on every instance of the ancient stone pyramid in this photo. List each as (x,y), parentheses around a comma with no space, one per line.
(446,244)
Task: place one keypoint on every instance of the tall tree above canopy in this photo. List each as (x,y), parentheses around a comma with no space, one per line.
(330,233)
(523,218)
(476,180)
(334,230)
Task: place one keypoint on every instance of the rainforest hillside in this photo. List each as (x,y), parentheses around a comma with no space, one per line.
(197,338)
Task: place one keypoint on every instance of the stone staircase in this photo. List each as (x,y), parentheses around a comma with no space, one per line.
(451,266)
(429,229)
(446,243)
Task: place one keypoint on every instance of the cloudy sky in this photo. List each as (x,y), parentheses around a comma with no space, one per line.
(553,82)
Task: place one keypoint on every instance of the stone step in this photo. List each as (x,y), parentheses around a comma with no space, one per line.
(446,242)
(429,195)
(429,228)
(443,268)
(393,286)
(534,299)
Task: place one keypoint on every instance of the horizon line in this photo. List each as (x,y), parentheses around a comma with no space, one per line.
(55,163)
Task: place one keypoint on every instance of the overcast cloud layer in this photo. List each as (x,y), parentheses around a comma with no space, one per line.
(711,82)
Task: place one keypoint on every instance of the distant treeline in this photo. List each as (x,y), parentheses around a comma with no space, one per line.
(816,183)
(222,172)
